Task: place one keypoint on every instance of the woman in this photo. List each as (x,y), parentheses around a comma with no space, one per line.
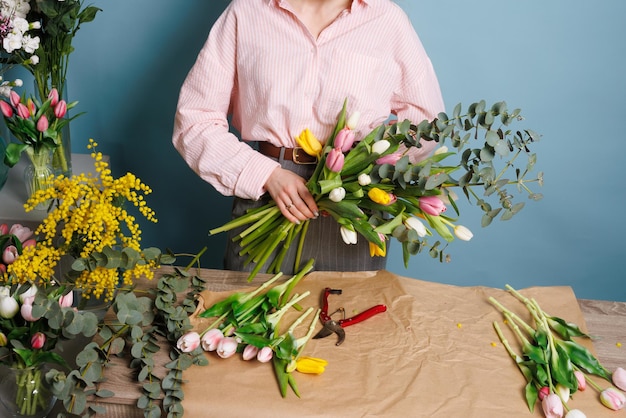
(280,66)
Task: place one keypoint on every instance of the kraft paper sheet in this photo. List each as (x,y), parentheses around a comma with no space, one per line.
(430,355)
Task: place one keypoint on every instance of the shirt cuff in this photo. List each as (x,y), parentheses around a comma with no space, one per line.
(251,184)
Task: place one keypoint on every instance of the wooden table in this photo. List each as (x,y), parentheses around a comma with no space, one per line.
(605,320)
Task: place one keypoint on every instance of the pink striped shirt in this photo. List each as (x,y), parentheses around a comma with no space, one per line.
(262,66)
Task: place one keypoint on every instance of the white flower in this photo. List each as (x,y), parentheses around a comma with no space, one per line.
(30,44)
(337,194)
(5,291)
(18,81)
(353,120)
(380,146)
(463,233)
(364,179)
(34,59)
(441,150)
(575,413)
(416,225)
(12,42)
(8,307)
(31,292)
(348,235)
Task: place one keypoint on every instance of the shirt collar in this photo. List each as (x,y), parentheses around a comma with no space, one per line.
(362,2)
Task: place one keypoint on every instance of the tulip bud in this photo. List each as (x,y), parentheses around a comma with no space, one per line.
(265,354)
(38,340)
(381,197)
(7,110)
(15,98)
(381,146)
(211,339)
(441,150)
(309,143)
(5,291)
(463,233)
(375,250)
(389,159)
(552,406)
(250,352)
(349,236)
(613,399)
(575,413)
(29,243)
(311,365)
(580,378)
(54,97)
(26,309)
(10,254)
(417,226)
(21,232)
(32,109)
(188,342)
(60,109)
(543,392)
(3,339)
(619,378)
(226,347)
(30,293)
(66,301)
(8,307)
(334,160)
(353,120)
(563,392)
(432,205)
(42,124)
(22,111)
(344,139)
(337,194)
(4,229)
(364,179)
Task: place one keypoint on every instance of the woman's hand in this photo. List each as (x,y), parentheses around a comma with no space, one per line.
(291,195)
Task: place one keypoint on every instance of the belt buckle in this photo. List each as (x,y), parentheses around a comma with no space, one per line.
(307,159)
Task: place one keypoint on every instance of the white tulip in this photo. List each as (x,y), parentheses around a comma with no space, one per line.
(8,307)
(348,235)
(364,179)
(463,233)
(337,194)
(416,225)
(380,146)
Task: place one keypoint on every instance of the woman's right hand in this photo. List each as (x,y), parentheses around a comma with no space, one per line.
(291,195)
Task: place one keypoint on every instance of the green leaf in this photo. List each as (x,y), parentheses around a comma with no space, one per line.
(531,394)
(583,359)
(565,330)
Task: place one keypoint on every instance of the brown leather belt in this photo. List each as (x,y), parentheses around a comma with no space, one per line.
(296,155)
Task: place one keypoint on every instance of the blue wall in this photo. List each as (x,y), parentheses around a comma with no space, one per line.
(561,62)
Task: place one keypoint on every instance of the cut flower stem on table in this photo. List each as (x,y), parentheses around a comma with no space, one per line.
(251,323)
(552,362)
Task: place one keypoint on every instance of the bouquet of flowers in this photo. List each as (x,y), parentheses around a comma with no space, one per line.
(18,45)
(89,224)
(33,319)
(373,189)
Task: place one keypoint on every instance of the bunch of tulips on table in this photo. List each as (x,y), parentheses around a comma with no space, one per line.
(249,323)
(373,189)
(554,364)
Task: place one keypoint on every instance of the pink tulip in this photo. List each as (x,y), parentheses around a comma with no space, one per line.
(543,392)
(7,110)
(27,309)
(21,232)
(619,378)
(188,342)
(211,339)
(432,205)
(15,98)
(60,109)
(22,111)
(250,352)
(32,109)
(552,406)
(29,243)
(4,229)
(580,378)
(38,340)
(10,254)
(227,347)
(54,95)
(42,124)
(389,158)
(334,160)
(265,354)
(344,139)
(3,268)
(67,300)
(613,399)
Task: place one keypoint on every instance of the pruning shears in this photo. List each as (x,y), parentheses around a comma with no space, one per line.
(332,326)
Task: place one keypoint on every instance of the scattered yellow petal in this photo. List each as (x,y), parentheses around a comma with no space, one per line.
(459,325)
(494,344)
(619,344)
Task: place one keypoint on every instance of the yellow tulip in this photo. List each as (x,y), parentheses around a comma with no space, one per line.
(379,196)
(311,365)
(375,250)
(309,143)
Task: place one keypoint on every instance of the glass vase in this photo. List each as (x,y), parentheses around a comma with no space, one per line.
(4,169)
(24,392)
(62,156)
(37,174)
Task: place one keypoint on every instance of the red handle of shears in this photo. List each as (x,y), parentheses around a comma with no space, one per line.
(362,316)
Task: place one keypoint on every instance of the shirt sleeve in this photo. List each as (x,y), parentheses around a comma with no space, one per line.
(201,129)
(418,96)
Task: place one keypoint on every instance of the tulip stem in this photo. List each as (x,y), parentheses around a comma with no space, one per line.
(512,315)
